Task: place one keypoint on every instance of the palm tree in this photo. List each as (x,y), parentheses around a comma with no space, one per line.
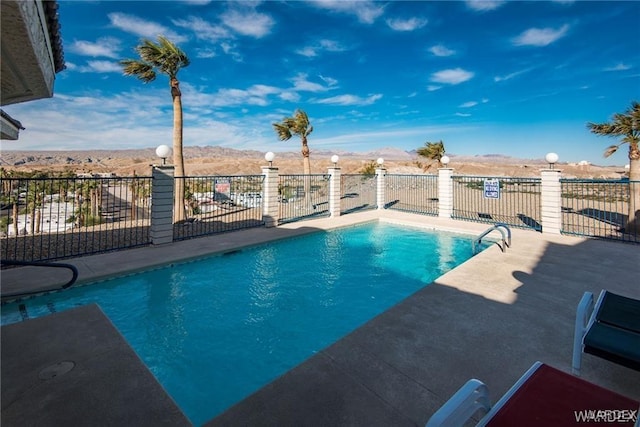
(296,125)
(432,151)
(166,58)
(627,126)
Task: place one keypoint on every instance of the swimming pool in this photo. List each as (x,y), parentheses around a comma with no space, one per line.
(215,330)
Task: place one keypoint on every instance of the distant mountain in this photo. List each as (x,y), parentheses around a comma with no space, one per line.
(79,157)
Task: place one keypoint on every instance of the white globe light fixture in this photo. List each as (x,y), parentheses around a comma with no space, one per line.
(552,159)
(380,161)
(269,158)
(163,151)
(445,160)
(334,160)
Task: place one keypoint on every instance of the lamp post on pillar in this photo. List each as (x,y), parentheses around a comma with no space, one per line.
(445,188)
(380,185)
(270,207)
(162,199)
(335,192)
(551,197)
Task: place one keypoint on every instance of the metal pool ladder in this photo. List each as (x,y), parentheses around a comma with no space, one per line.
(72,268)
(504,230)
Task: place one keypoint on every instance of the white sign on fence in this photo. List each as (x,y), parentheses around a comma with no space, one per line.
(491,189)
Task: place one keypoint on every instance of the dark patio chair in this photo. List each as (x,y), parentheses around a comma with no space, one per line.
(610,329)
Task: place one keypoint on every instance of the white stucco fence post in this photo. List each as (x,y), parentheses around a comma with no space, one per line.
(162,205)
(551,201)
(335,178)
(270,203)
(445,192)
(381,185)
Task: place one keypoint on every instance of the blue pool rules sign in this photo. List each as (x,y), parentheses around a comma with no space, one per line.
(491,189)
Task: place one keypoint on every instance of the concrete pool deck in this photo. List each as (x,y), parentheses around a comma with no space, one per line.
(490,318)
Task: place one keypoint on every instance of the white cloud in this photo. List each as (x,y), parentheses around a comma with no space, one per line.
(406,24)
(289,96)
(468,104)
(301,83)
(618,67)
(441,50)
(324,45)
(540,36)
(308,51)
(248,22)
(328,80)
(433,88)
(230,49)
(205,53)
(452,76)
(203,29)
(366,11)
(510,76)
(100,67)
(141,27)
(350,100)
(253,95)
(484,5)
(106,46)
(463,114)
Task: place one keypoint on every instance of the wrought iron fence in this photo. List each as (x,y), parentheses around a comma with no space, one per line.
(216,204)
(53,218)
(513,201)
(303,197)
(357,192)
(598,208)
(412,193)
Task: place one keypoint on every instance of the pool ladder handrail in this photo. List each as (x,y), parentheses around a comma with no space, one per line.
(74,277)
(501,227)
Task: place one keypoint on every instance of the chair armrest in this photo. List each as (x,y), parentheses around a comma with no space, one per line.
(471,397)
(584,317)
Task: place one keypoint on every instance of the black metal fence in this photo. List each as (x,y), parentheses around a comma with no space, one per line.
(53,218)
(598,208)
(412,193)
(357,193)
(512,201)
(303,197)
(216,204)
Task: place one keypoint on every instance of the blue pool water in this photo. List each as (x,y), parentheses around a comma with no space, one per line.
(215,330)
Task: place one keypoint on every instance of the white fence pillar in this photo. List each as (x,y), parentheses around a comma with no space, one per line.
(380,179)
(270,203)
(335,191)
(551,201)
(162,205)
(445,192)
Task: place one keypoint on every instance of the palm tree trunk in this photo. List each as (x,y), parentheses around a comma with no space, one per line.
(178,159)
(15,217)
(38,219)
(306,163)
(633,222)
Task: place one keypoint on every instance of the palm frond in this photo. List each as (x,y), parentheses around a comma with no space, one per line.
(283,131)
(139,69)
(610,150)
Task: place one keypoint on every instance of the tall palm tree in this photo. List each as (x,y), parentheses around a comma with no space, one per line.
(297,125)
(432,151)
(166,58)
(627,126)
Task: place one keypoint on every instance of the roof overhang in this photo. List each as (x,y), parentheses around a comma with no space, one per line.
(9,127)
(31,50)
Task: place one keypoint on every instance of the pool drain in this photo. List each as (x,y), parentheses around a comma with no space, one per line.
(56,370)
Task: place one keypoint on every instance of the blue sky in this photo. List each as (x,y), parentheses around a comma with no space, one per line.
(486,77)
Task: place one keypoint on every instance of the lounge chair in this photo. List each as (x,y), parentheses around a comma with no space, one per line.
(610,329)
(543,396)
